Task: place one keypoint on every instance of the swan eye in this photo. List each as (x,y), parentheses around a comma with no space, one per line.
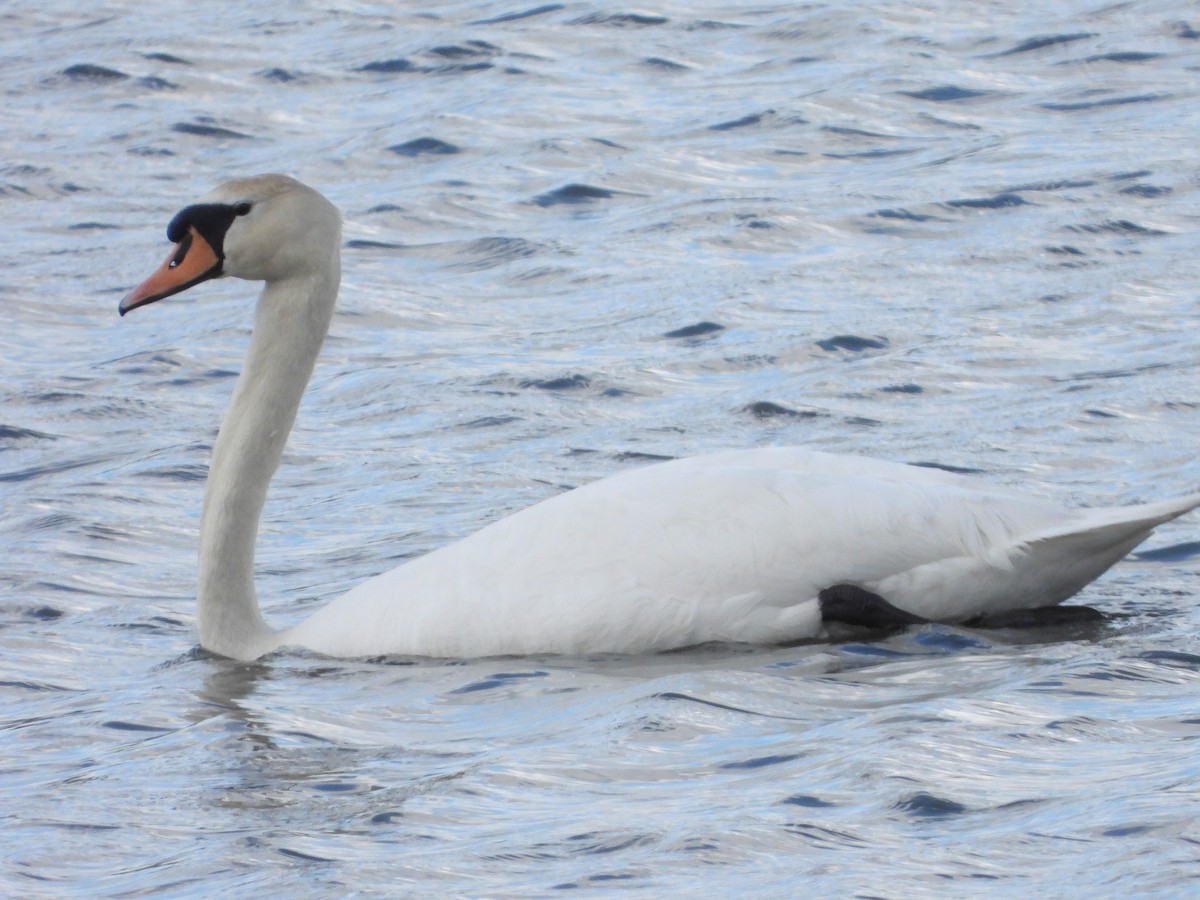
(184,246)
(242,209)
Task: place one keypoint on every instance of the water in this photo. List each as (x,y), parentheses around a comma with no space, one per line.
(958,233)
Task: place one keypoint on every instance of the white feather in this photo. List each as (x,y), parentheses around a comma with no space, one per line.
(733,546)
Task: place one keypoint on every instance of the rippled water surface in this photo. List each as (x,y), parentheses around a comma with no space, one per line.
(580,236)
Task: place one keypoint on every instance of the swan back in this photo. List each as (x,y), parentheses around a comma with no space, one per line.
(732,546)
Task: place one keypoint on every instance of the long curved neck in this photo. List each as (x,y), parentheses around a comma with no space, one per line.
(290,324)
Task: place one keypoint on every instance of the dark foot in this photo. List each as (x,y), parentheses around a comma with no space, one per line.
(1041,617)
(852,605)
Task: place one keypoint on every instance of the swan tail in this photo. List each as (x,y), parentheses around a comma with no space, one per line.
(1072,555)
(1119,523)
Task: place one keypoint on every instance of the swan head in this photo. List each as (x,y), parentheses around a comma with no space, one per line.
(264,228)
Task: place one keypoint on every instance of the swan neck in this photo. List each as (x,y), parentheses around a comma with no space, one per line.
(291,320)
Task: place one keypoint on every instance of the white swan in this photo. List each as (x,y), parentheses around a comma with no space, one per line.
(765,546)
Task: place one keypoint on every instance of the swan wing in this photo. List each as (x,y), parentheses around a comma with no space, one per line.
(726,547)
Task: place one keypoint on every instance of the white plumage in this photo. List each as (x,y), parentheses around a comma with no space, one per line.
(732,546)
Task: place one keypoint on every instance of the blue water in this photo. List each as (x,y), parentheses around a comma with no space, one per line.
(578,237)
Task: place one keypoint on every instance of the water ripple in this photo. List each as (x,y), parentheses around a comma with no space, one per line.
(578,239)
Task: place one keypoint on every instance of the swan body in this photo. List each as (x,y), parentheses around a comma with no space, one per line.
(733,546)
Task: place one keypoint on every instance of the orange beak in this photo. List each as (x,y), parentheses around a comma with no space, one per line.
(190,262)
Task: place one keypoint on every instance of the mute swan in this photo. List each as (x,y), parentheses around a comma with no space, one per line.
(763,546)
